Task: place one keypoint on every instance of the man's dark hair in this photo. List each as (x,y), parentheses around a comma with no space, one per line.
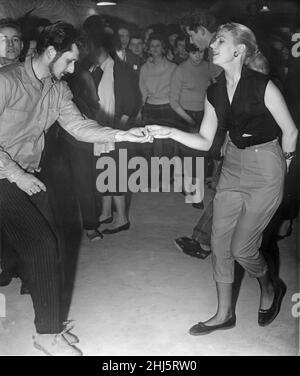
(136,36)
(123,26)
(204,19)
(93,25)
(10,22)
(159,37)
(102,40)
(181,38)
(60,35)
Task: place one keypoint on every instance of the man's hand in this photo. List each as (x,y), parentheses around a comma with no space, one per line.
(30,184)
(140,135)
(158,131)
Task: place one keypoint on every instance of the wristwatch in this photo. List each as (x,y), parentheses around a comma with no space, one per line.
(288,155)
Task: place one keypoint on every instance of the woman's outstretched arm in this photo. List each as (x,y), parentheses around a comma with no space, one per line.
(199,141)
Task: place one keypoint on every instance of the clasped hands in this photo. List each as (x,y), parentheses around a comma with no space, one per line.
(147,133)
(31,185)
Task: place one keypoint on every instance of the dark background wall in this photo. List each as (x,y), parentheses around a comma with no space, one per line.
(142,12)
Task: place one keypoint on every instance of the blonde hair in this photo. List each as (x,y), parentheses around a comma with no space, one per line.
(243,35)
(259,63)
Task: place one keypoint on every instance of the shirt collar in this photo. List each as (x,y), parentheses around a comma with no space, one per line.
(107,63)
(32,77)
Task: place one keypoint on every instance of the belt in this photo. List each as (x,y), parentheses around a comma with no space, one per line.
(254,143)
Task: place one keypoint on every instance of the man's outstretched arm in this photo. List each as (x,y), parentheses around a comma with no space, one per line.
(88,130)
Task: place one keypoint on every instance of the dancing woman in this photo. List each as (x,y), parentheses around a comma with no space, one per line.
(250,188)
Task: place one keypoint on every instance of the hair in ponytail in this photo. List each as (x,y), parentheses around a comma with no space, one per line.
(253,58)
(258,62)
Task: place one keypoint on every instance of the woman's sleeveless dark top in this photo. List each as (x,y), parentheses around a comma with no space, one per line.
(247,113)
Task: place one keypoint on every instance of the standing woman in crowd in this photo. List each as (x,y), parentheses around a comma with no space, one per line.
(188,88)
(119,101)
(155,79)
(250,188)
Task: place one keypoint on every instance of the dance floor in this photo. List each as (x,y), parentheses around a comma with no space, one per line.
(135,293)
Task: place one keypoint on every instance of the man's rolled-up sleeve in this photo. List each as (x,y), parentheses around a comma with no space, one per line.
(87,130)
(9,169)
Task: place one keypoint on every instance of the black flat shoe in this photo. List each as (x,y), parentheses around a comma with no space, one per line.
(201,329)
(191,247)
(266,316)
(117,229)
(198,205)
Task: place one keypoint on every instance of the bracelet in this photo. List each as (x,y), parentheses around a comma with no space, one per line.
(288,155)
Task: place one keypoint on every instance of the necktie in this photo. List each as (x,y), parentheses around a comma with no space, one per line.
(97,75)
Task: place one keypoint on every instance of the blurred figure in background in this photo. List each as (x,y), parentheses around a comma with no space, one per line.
(11,43)
(136,47)
(189,83)
(123,38)
(180,51)
(155,80)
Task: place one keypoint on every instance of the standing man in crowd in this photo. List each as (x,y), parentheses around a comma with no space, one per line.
(202,27)
(32,98)
(136,46)
(10,42)
(123,36)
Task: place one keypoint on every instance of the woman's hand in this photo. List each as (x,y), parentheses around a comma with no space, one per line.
(158,131)
(140,135)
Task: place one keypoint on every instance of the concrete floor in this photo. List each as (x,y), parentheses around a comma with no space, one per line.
(137,294)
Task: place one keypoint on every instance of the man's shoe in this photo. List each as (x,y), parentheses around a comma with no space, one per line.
(5,279)
(24,289)
(117,229)
(191,247)
(70,337)
(94,235)
(266,316)
(201,329)
(55,345)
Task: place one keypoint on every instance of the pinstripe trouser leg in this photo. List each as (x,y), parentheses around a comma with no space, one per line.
(30,234)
